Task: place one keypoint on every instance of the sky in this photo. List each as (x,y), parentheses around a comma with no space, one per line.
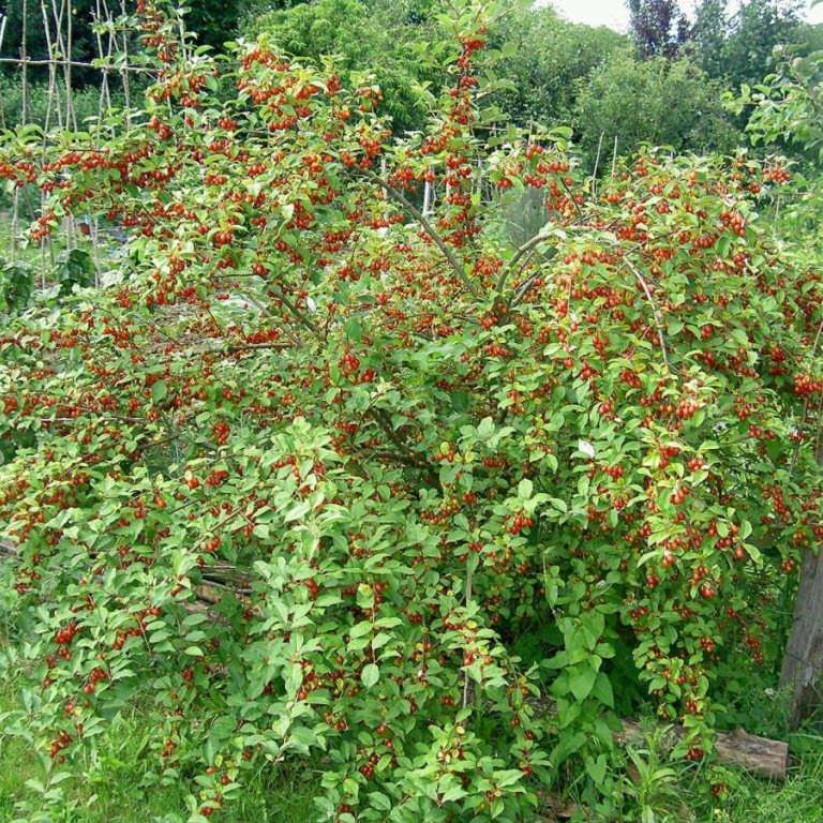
(613,13)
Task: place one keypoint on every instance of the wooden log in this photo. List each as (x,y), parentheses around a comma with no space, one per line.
(8,548)
(759,755)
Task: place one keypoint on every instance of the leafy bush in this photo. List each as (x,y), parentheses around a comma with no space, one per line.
(305,480)
(659,102)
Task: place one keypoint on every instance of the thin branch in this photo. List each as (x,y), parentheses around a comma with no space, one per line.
(524,288)
(412,458)
(657,319)
(468,592)
(508,270)
(298,315)
(456,265)
(238,347)
(100,66)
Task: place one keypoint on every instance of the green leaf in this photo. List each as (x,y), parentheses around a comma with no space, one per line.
(486,429)
(603,691)
(262,531)
(597,769)
(159,391)
(354,331)
(370,675)
(380,801)
(361,629)
(298,511)
(581,681)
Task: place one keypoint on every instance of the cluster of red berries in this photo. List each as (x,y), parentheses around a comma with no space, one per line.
(805,385)
(65,635)
(96,675)
(220,432)
(349,364)
(777,174)
(734,221)
(519,522)
(62,741)
(217,477)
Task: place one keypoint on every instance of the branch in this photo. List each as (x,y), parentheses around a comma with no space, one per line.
(237,347)
(524,288)
(455,264)
(77,64)
(657,319)
(296,313)
(409,456)
(525,249)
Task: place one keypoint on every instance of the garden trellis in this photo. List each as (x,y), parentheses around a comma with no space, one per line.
(113,67)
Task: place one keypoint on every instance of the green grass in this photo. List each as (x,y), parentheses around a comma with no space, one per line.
(798,800)
(115,785)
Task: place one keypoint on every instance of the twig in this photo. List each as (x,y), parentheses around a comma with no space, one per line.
(381,418)
(657,319)
(469,582)
(455,264)
(508,270)
(75,64)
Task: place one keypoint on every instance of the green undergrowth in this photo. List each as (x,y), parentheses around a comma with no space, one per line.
(116,784)
(797,800)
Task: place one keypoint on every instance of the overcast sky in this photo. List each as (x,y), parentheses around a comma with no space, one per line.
(613,13)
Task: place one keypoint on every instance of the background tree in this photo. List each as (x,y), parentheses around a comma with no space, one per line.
(708,36)
(755,30)
(658,27)
(738,47)
(217,21)
(398,42)
(658,101)
(543,58)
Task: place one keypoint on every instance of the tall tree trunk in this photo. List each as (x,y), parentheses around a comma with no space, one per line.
(802,671)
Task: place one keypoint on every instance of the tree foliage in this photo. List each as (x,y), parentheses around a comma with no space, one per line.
(709,35)
(633,102)
(543,59)
(788,107)
(399,43)
(754,31)
(737,45)
(658,27)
